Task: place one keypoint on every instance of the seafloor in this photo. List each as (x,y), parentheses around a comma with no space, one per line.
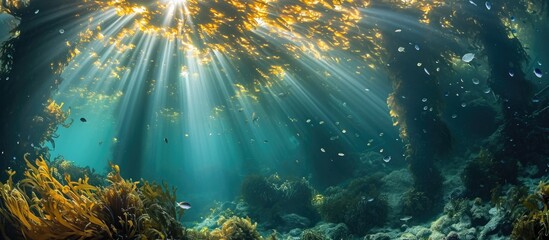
(271,119)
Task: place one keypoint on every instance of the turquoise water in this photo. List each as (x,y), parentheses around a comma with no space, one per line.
(378,116)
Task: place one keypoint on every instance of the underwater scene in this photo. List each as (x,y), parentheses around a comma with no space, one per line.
(274,119)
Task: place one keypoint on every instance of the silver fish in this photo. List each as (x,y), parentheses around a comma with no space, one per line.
(183,205)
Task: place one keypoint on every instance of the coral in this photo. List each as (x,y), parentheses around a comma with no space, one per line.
(78,210)
(535,225)
(236,228)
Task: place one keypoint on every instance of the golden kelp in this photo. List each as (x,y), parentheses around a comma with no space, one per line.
(41,207)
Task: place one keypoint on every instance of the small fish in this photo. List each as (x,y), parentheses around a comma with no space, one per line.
(166,140)
(100,142)
(183,205)
(254,117)
(83,120)
(406,219)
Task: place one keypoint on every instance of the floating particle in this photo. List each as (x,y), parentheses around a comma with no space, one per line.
(475,81)
(322,150)
(380,134)
(371,200)
(332,138)
(438,69)
(398,30)
(401,49)
(488,5)
(61,31)
(367,89)
(487,90)
(83,120)
(37,11)
(419,64)
(341,154)
(513,18)
(426,71)
(424,100)
(387,159)
(381,150)
(463,104)
(454,116)
(539,63)
(425,108)
(344,131)
(535,100)
(468,57)
(321,122)
(474,3)
(308,121)
(538,72)
(337,123)
(416,47)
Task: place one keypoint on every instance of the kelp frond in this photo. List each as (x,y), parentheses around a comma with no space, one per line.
(55,211)
(43,207)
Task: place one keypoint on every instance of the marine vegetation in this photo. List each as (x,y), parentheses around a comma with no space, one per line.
(63,166)
(272,197)
(534,225)
(312,235)
(42,207)
(360,205)
(482,174)
(236,228)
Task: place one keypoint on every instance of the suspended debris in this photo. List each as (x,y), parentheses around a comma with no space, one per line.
(488,5)
(538,72)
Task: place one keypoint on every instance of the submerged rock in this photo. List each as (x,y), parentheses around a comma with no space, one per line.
(292,221)
(333,231)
